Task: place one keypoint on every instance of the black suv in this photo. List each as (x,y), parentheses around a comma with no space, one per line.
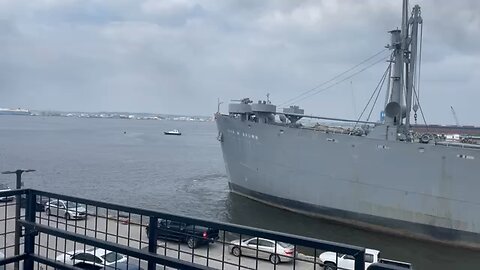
(193,235)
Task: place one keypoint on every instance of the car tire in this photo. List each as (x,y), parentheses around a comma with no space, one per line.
(47,211)
(329,266)
(236,251)
(67,216)
(191,242)
(274,259)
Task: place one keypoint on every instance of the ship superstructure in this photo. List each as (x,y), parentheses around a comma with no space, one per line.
(381,175)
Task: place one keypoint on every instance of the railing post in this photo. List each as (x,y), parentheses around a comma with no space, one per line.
(18,227)
(30,210)
(152,239)
(360,260)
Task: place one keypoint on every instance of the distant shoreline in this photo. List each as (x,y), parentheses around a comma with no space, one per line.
(121,115)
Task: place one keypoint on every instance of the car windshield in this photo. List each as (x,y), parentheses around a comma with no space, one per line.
(284,245)
(112,257)
(71,205)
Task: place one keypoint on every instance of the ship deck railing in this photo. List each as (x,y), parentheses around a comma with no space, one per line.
(31,239)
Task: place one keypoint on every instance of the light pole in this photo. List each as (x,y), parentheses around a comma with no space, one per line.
(18,228)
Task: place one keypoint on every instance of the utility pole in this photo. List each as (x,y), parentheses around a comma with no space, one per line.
(18,228)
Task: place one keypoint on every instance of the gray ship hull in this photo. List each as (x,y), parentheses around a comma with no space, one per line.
(356,180)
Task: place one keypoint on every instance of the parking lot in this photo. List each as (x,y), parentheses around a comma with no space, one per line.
(131,232)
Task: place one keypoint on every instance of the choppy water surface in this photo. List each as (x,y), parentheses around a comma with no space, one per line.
(131,162)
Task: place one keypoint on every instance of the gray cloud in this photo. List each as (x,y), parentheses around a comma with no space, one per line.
(179,56)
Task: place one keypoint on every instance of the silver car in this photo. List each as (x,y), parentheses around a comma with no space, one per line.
(66,209)
(262,248)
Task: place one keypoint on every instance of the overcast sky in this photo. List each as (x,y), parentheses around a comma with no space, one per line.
(179,56)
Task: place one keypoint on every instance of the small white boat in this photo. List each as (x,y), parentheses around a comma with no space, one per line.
(172,132)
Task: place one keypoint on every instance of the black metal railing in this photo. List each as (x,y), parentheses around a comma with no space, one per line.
(65,232)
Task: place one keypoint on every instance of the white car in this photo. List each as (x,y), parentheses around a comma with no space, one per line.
(94,256)
(5,198)
(66,209)
(256,247)
(330,259)
(2,256)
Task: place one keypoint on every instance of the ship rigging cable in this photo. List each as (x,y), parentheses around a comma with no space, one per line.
(378,88)
(342,80)
(331,80)
(417,77)
(421,111)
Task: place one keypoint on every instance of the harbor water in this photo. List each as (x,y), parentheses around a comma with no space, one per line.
(131,162)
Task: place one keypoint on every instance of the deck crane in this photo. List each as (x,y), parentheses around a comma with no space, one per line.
(455,116)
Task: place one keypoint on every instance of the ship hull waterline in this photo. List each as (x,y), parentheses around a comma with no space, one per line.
(334,176)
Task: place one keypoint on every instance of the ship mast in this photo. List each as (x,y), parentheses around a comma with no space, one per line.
(414,21)
(404,46)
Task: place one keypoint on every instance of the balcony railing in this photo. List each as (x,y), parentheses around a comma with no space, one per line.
(65,232)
